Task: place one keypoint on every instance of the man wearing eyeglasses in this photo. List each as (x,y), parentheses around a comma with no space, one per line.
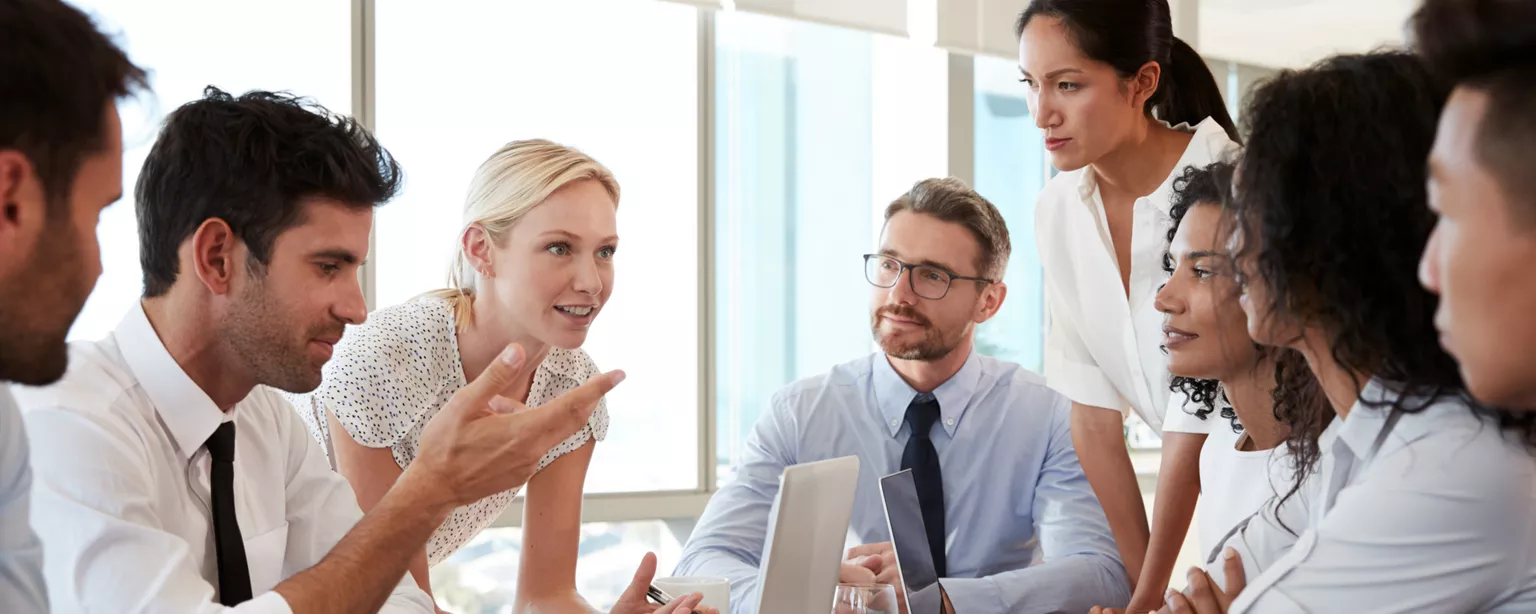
(1012,523)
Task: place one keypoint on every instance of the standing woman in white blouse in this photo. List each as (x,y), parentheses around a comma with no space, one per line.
(534,267)
(1125,107)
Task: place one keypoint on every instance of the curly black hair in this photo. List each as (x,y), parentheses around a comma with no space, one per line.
(1332,206)
(1295,387)
(1198,185)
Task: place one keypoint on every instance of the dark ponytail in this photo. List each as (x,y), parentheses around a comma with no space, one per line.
(1129,33)
(1189,91)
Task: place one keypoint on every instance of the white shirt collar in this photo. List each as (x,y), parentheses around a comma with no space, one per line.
(187,411)
(1198,153)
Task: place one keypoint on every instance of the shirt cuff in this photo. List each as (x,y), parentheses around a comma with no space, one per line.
(1082,382)
(973,595)
(1216,566)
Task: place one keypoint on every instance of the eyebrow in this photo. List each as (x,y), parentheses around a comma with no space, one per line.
(927,263)
(573,236)
(1055,73)
(335,254)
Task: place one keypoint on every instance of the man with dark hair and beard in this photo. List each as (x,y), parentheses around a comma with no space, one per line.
(61,163)
(988,443)
(170,477)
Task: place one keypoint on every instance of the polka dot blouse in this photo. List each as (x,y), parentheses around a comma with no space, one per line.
(390,375)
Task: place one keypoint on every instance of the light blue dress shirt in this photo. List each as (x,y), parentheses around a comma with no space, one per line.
(1014,492)
(1425,511)
(21,554)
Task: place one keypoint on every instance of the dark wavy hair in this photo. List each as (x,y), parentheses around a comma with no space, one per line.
(1331,203)
(1296,388)
(251,160)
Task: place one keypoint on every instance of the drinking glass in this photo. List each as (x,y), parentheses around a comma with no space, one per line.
(865,599)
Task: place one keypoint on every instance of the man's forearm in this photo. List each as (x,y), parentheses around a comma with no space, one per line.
(358,575)
(1101,450)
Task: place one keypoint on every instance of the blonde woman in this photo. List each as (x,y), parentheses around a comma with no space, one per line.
(534,267)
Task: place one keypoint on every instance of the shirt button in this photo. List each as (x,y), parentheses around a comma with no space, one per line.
(950,422)
(895,422)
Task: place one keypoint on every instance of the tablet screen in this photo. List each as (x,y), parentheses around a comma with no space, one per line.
(904,515)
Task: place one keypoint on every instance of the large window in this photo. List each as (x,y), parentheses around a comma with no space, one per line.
(187,45)
(817,128)
(1010,172)
(617,79)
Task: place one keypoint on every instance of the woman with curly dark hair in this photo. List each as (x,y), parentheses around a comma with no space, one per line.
(1424,499)
(1216,364)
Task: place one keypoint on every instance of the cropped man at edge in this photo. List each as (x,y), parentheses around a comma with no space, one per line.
(61,164)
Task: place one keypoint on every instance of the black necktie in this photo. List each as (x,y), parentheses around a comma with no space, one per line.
(923,460)
(228,546)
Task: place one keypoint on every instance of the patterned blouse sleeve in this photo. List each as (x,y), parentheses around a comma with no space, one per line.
(382,379)
(572,370)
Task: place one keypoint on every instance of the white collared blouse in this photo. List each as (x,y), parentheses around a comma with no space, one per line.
(1105,349)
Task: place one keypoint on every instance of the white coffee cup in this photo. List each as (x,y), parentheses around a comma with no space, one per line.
(716,591)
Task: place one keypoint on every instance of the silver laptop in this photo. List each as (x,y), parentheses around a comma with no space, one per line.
(804,548)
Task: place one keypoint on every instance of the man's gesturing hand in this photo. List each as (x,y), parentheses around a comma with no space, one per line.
(482,443)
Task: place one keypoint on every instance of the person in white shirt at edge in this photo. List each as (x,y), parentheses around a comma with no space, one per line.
(61,164)
(534,267)
(1124,107)
(1425,500)
(169,477)
(1243,467)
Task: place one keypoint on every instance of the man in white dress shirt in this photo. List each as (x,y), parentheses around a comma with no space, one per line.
(169,477)
(61,158)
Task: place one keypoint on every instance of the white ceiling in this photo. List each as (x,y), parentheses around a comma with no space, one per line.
(1292,33)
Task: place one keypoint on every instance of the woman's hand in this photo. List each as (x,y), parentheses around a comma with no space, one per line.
(1204,596)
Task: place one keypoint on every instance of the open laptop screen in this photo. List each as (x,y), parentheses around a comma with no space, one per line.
(904,515)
